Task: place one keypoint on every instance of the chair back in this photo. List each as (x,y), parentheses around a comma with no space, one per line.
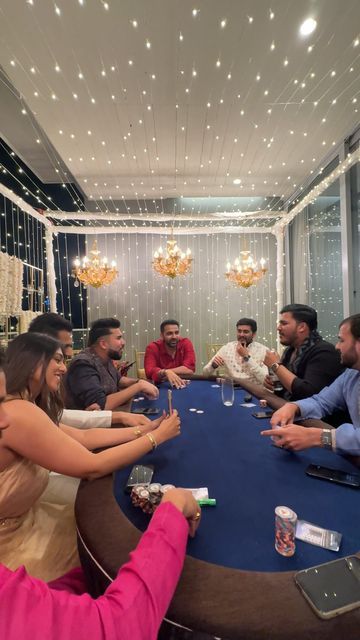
(212,348)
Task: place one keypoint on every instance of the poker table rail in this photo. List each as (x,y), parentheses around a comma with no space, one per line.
(248,606)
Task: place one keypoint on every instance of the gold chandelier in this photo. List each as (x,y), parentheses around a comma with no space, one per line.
(245,272)
(93,272)
(174,263)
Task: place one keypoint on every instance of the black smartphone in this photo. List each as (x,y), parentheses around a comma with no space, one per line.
(124,370)
(262,414)
(331,588)
(334,475)
(140,474)
(146,411)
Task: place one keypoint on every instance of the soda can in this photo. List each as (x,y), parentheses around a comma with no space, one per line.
(285,525)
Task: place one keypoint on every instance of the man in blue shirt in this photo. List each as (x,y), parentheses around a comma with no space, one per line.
(343,394)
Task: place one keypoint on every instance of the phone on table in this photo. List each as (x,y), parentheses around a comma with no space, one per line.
(334,475)
(262,414)
(140,474)
(146,411)
(331,588)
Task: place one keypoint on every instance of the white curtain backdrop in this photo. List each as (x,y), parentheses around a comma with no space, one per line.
(206,306)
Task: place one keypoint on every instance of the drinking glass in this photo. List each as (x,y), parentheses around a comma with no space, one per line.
(227,392)
(276,382)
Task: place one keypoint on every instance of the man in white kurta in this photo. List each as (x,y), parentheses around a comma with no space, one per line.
(243,358)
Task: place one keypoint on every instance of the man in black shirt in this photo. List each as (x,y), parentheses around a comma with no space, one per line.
(309,363)
(92,379)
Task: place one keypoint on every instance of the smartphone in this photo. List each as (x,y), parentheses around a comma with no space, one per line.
(334,475)
(262,414)
(139,474)
(124,370)
(147,411)
(331,588)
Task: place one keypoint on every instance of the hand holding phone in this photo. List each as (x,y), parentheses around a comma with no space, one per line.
(126,368)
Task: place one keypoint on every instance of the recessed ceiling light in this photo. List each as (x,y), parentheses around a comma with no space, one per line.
(236,181)
(308,26)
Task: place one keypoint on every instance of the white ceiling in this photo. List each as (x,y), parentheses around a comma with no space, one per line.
(274,112)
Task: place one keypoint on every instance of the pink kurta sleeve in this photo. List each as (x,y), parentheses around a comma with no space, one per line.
(132,608)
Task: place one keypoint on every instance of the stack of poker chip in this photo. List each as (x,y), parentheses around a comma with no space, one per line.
(149,496)
(285,525)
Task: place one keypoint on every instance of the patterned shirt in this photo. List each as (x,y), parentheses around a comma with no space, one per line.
(236,367)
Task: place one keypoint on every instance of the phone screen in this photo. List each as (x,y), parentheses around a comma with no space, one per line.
(334,475)
(333,586)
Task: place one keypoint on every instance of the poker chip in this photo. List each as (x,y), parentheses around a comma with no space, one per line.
(215,386)
(141,398)
(199,411)
(192,409)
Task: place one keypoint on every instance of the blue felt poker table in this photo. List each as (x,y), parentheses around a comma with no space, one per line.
(235,585)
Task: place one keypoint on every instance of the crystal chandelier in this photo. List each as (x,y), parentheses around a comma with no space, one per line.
(93,272)
(245,272)
(174,263)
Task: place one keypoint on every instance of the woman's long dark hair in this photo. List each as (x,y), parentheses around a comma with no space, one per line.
(24,354)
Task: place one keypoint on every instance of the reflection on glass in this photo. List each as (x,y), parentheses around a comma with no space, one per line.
(227,392)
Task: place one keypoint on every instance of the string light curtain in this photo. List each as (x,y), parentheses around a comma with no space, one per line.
(205,305)
(316,245)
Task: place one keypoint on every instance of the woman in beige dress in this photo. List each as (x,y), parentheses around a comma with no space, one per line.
(38,534)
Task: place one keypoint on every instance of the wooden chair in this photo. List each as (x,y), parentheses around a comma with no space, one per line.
(211,349)
(140,370)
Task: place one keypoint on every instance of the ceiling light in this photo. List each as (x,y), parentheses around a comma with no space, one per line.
(223,23)
(218,63)
(236,181)
(195,12)
(356,42)
(308,26)
(134,23)
(181,37)
(148,44)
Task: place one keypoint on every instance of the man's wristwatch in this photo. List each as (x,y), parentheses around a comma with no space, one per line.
(246,358)
(326,439)
(274,367)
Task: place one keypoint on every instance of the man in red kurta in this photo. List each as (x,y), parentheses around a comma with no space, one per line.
(170,355)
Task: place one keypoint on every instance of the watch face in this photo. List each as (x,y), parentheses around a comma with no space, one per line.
(326,439)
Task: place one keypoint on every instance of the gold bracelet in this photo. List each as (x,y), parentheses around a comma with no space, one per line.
(137,432)
(152,440)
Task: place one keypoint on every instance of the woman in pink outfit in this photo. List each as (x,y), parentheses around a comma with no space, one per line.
(134,605)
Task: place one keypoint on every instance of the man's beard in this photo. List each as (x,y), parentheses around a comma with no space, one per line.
(114,355)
